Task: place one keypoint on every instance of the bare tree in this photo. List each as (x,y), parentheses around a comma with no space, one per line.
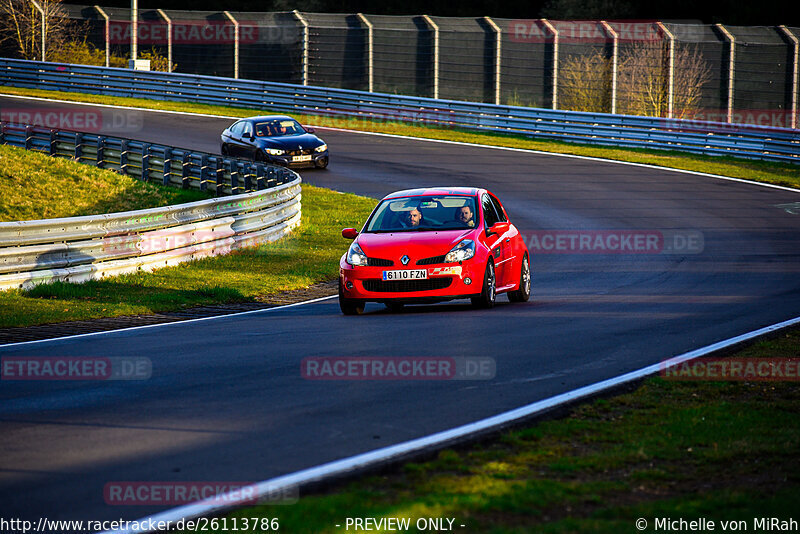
(584,83)
(21,26)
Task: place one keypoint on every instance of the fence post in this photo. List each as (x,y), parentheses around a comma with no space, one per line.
(259,176)
(203,173)
(615,52)
(234,169)
(370,65)
(498,43)
(248,177)
(145,176)
(167,166)
(28,137)
(670,68)
(101,144)
(235,43)
(123,157)
(731,63)
(435,29)
(78,147)
(305,45)
(554,31)
(169,37)
(53,142)
(794,123)
(185,165)
(44,25)
(134,29)
(220,178)
(107,33)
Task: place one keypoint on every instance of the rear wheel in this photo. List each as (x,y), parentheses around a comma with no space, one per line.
(489,292)
(524,292)
(349,306)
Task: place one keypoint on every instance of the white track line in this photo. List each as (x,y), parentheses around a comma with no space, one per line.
(459,143)
(344,466)
(171,323)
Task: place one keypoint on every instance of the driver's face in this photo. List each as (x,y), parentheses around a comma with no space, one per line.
(414,216)
(465,214)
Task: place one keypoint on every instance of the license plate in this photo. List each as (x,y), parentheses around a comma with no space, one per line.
(296,159)
(406,274)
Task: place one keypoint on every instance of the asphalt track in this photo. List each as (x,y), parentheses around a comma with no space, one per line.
(226,401)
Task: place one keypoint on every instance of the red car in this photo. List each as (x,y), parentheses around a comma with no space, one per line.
(431,245)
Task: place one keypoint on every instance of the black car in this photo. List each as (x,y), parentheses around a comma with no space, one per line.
(275,139)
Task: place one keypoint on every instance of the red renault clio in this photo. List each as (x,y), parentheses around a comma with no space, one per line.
(432,245)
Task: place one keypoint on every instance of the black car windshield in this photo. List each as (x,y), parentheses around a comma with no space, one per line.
(423,213)
(278,127)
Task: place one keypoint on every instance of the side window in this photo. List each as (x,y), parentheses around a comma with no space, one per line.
(237,128)
(498,208)
(489,213)
(248,129)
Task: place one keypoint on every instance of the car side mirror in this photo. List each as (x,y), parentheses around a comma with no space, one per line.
(309,129)
(350,233)
(251,137)
(498,228)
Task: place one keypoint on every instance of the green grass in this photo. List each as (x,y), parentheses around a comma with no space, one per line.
(309,255)
(35,186)
(718,450)
(776,173)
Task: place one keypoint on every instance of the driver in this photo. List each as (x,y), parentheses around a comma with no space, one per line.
(412,218)
(464,216)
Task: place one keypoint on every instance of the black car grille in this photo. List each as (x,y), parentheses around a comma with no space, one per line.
(390,286)
(378,262)
(431,261)
(303,152)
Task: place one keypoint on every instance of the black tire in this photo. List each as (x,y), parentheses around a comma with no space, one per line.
(260,157)
(321,163)
(349,306)
(489,292)
(524,292)
(394,307)
(224,150)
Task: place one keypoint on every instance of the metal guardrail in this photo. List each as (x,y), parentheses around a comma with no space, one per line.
(710,138)
(77,249)
(150,162)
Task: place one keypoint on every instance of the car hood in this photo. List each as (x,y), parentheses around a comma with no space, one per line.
(290,142)
(416,245)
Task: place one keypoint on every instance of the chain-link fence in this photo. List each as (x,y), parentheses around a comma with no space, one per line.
(718,73)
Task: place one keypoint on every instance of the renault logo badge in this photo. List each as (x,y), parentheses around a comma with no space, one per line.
(404,260)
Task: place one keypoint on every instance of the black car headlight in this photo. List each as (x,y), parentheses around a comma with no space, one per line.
(275,151)
(355,256)
(321,148)
(463,251)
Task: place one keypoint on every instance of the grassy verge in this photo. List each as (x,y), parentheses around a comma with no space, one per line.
(309,255)
(716,450)
(36,186)
(775,173)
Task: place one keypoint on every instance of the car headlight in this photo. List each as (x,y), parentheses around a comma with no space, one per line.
(463,251)
(275,151)
(355,256)
(321,148)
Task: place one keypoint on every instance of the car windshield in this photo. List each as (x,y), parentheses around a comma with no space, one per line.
(278,127)
(424,213)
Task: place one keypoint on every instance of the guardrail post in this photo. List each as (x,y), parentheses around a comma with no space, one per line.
(78,147)
(498,43)
(101,144)
(793,122)
(106,33)
(169,37)
(2,133)
(234,170)
(235,43)
(220,190)
(370,41)
(204,173)
(165,180)
(614,56)
(554,31)
(123,157)
(731,63)
(305,44)
(259,176)
(185,169)
(248,177)
(145,163)
(435,29)
(271,178)
(53,142)
(28,137)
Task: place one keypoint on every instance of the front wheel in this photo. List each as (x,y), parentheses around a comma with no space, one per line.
(523,293)
(489,293)
(224,150)
(321,163)
(349,306)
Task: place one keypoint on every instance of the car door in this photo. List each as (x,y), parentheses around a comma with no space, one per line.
(507,249)
(234,140)
(493,241)
(249,146)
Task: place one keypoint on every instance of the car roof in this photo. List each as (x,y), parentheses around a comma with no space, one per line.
(269,118)
(425,191)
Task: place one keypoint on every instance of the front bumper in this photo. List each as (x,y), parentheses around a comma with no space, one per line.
(286,161)
(444,282)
